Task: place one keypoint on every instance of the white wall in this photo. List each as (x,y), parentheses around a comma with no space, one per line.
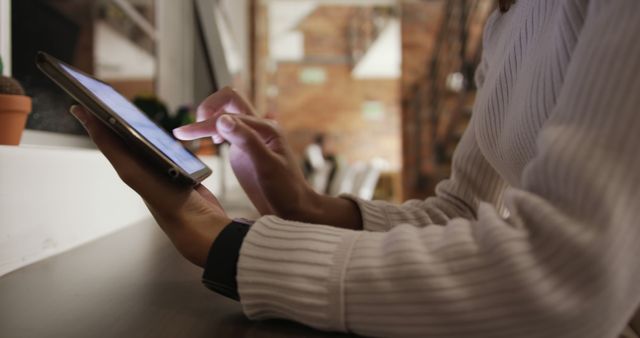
(179,72)
(384,57)
(54,199)
(176,31)
(31,137)
(236,24)
(5,35)
(118,58)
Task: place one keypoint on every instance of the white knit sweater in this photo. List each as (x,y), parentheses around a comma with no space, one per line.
(536,233)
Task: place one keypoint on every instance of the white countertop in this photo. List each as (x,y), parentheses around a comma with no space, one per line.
(56,198)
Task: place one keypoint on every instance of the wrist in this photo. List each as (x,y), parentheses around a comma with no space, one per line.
(335,211)
(195,237)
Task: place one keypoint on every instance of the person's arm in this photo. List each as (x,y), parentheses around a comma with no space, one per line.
(190,216)
(284,192)
(457,196)
(473,180)
(220,269)
(564,264)
(281,189)
(265,165)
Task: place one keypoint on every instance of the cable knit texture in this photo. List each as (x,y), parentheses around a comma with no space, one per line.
(536,232)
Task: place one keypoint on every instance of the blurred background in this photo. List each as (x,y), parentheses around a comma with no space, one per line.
(373,95)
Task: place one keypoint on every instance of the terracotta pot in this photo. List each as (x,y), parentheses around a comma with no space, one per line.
(13,117)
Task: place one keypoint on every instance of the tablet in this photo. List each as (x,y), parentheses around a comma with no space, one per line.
(152,142)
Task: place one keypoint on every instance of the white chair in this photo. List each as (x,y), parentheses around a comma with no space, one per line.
(319,178)
(359,179)
(320,168)
(348,178)
(366,184)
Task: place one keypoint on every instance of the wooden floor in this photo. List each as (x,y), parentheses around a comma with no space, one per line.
(132,283)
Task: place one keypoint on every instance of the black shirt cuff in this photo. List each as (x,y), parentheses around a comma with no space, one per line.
(221,266)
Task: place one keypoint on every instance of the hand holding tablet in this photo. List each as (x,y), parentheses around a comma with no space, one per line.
(133,126)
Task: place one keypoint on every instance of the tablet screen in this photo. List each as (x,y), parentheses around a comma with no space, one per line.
(139,121)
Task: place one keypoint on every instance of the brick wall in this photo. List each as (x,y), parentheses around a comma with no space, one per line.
(335,106)
(424,127)
(420,24)
(405,136)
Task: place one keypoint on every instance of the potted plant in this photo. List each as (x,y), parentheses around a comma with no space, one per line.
(14,108)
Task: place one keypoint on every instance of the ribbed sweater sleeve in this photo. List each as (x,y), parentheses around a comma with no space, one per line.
(562,264)
(473,180)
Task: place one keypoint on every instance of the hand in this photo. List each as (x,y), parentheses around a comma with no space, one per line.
(264,164)
(191,218)
(276,185)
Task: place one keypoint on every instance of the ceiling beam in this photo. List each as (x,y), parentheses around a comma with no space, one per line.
(137,18)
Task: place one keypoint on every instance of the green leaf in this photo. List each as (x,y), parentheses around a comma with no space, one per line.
(1,67)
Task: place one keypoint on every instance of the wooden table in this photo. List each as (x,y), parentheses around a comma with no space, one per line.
(132,283)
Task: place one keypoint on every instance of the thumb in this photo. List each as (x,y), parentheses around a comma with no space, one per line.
(244,137)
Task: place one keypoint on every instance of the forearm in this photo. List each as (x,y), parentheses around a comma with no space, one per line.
(322,209)
(339,212)
(470,276)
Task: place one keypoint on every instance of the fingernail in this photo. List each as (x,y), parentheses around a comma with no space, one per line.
(178,133)
(79,114)
(226,122)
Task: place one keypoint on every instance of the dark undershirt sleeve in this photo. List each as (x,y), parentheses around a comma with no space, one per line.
(220,269)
